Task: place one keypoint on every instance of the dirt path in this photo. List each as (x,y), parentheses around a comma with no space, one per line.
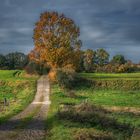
(34,129)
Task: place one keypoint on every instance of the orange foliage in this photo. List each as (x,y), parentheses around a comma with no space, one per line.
(56,40)
(52,75)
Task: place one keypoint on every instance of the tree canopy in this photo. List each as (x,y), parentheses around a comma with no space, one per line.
(56,40)
(102,57)
(118,59)
(2,61)
(16,60)
(89,57)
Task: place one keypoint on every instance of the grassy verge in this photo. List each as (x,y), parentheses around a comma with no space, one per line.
(19,90)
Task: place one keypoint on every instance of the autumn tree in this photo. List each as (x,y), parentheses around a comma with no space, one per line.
(56,41)
(102,57)
(89,56)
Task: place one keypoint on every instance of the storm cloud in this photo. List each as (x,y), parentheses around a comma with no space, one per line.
(110,24)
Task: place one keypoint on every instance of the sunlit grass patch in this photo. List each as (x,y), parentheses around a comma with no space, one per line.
(18,91)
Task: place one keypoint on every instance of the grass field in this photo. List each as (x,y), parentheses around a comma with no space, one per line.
(62,129)
(128,76)
(15,75)
(18,88)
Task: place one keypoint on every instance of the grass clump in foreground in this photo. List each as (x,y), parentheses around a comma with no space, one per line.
(66,119)
(19,90)
(92,134)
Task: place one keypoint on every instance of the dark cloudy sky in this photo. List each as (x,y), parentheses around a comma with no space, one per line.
(110,24)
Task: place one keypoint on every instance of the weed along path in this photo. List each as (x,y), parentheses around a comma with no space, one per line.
(29,124)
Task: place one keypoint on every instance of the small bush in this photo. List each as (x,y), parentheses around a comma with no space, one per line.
(66,78)
(52,76)
(92,134)
(34,68)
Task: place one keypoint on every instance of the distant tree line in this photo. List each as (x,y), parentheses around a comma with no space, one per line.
(20,61)
(13,61)
(98,61)
(89,61)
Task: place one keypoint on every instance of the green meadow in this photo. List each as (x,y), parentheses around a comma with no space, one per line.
(111,76)
(85,114)
(69,124)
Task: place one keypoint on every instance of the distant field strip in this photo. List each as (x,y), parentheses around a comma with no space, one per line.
(111,76)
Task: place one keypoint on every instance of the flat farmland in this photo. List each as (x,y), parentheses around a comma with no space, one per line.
(121,102)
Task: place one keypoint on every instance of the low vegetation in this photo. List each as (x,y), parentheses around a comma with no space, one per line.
(17,90)
(111,76)
(85,116)
(92,134)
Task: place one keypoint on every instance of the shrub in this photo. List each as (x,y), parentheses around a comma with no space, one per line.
(92,134)
(34,68)
(52,76)
(66,78)
(117,68)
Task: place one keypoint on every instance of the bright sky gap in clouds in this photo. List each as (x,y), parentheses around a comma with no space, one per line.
(110,24)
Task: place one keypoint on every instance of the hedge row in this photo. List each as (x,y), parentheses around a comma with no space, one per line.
(116,84)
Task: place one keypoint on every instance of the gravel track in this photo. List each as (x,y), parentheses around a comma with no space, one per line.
(34,130)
